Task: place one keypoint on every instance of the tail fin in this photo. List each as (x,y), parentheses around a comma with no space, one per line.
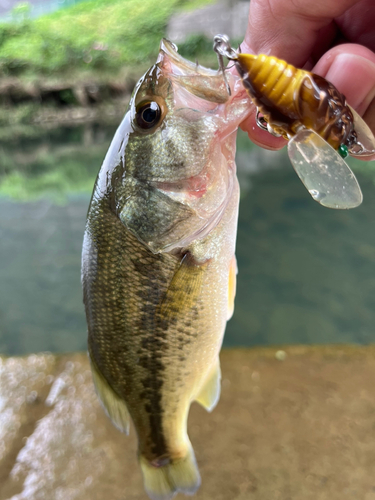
(180,475)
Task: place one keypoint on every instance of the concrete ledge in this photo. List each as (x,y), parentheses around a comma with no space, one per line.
(302,428)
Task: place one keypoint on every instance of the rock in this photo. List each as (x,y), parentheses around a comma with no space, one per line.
(301,429)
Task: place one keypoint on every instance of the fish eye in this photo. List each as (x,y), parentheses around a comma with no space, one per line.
(148,114)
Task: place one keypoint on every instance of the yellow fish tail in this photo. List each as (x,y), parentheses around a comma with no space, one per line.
(162,482)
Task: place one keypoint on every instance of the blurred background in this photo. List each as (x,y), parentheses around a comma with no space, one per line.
(306,273)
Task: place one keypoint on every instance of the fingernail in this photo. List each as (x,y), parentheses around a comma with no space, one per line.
(354,76)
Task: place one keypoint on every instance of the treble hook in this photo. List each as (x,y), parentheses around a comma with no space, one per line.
(223,49)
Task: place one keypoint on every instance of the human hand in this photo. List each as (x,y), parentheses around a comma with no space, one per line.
(334,39)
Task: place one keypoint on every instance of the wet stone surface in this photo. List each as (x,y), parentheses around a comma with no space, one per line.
(291,424)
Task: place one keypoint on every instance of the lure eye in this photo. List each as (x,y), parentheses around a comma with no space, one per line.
(148,114)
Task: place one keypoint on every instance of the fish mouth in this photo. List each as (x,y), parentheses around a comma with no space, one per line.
(202,82)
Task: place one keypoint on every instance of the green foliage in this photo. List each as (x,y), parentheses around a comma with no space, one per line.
(91,36)
(21,12)
(194,45)
(18,114)
(51,165)
(55,185)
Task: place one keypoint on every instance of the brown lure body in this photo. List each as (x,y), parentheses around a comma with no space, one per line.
(289,98)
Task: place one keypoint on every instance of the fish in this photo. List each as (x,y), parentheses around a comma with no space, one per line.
(158,261)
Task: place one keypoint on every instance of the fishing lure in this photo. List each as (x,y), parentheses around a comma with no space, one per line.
(308,111)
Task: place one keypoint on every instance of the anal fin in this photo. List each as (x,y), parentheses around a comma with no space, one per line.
(114,406)
(209,395)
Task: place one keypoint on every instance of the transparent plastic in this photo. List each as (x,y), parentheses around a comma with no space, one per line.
(326,176)
(365,136)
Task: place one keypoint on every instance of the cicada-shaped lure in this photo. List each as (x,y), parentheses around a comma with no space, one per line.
(308,111)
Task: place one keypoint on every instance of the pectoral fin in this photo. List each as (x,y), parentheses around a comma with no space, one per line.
(114,406)
(210,392)
(232,282)
(183,290)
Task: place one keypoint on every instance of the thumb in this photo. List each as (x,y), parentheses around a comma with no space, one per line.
(351,69)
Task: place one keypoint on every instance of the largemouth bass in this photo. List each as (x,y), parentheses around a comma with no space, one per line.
(158,265)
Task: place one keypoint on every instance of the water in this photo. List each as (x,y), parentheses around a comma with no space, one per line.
(306,273)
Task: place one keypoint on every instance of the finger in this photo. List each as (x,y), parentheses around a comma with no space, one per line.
(351,69)
(292,29)
(261,137)
(357,24)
